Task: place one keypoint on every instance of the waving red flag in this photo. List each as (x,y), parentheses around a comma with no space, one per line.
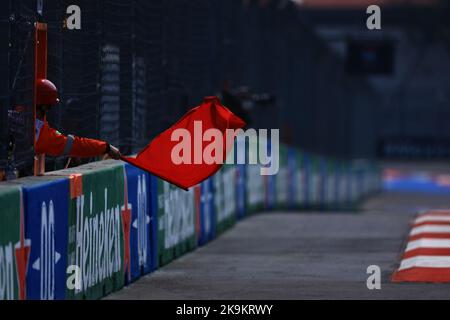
(182,154)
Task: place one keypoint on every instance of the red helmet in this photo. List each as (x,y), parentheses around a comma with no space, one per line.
(46,93)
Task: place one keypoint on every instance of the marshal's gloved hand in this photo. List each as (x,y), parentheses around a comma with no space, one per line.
(113,152)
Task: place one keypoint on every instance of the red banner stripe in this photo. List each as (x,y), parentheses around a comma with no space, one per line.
(429,236)
(419,274)
(436,213)
(441,223)
(426,252)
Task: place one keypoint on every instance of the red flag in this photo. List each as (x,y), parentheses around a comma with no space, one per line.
(157,156)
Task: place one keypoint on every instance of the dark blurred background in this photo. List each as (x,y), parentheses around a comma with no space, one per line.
(310,68)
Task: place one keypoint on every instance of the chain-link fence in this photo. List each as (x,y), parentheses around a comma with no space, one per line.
(136,66)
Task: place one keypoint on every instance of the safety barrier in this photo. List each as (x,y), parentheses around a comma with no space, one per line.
(85,232)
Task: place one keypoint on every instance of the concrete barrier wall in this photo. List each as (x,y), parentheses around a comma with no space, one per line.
(85,232)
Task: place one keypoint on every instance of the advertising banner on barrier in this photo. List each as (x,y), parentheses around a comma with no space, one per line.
(378,181)
(356,183)
(99,225)
(373,182)
(240,178)
(142,239)
(255,184)
(46,201)
(362,178)
(354,178)
(240,190)
(307,179)
(176,221)
(341,184)
(330,193)
(225,198)
(270,192)
(316,183)
(205,209)
(349,187)
(14,246)
(323,173)
(301,181)
(282,179)
(255,188)
(293,181)
(82,233)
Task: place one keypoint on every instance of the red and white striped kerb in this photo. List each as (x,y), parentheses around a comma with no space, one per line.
(427,255)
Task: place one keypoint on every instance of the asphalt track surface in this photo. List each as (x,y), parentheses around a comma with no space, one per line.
(299,255)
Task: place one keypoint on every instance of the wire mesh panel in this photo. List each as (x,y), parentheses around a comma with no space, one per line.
(109,93)
(19,104)
(150,18)
(4,82)
(74,60)
(176,56)
(135,66)
(118,34)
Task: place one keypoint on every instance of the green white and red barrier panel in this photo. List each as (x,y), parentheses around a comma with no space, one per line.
(176,221)
(427,254)
(108,223)
(96,218)
(14,246)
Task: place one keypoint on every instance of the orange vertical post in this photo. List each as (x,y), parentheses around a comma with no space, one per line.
(40,71)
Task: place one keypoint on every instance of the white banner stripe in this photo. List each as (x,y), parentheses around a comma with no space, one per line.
(433,215)
(432,211)
(428,243)
(432,219)
(429,228)
(426,262)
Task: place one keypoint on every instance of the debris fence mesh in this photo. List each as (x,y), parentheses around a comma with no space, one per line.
(136,66)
